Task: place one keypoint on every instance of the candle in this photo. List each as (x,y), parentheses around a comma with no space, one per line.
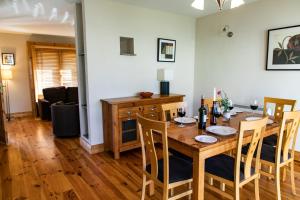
(215,94)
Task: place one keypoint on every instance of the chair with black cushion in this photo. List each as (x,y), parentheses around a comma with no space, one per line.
(279,108)
(282,156)
(168,172)
(51,95)
(169,112)
(65,119)
(72,95)
(231,171)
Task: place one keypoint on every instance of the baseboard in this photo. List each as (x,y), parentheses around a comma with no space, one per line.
(21,114)
(92,149)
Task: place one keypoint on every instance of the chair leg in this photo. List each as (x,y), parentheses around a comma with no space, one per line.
(165,192)
(151,188)
(284,174)
(236,193)
(293,178)
(144,187)
(277,182)
(256,184)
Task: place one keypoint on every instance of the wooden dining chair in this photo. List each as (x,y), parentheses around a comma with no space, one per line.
(282,156)
(278,113)
(168,172)
(169,111)
(232,172)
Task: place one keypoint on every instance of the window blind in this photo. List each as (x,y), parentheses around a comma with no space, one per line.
(54,67)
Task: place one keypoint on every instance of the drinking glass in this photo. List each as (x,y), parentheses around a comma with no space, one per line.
(230,104)
(254,106)
(181,113)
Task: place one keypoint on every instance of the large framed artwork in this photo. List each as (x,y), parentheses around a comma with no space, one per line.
(166,50)
(284,48)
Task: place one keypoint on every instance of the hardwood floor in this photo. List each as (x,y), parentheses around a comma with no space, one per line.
(36,165)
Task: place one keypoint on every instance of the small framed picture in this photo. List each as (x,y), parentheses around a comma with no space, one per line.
(283,51)
(8,59)
(166,50)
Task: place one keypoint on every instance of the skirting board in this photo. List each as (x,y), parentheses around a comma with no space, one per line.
(21,114)
(92,149)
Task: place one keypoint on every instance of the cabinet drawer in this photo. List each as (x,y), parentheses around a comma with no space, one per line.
(129,112)
(151,109)
(154,116)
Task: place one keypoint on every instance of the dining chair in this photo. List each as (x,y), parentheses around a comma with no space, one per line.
(282,156)
(231,171)
(169,111)
(278,114)
(170,171)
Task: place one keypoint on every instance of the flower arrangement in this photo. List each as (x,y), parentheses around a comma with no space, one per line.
(223,100)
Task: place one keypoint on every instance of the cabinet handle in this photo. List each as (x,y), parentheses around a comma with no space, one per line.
(129,113)
(153,109)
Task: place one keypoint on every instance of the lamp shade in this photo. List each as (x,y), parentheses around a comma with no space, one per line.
(6,74)
(165,75)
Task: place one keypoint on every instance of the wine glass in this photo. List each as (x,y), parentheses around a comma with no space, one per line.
(181,114)
(254,106)
(230,104)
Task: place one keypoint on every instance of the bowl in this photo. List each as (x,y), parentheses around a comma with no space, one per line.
(146,94)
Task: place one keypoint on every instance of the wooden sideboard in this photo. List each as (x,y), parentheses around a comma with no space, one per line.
(119,119)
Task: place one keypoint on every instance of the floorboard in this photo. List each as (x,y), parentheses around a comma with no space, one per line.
(36,165)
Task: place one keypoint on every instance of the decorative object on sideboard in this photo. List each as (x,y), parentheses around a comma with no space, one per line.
(146,94)
(227,31)
(199,4)
(166,50)
(8,59)
(165,76)
(283,51)
(6,75)
(127,46)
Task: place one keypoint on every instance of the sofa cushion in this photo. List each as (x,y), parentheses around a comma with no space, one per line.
(72,94)
(55,94)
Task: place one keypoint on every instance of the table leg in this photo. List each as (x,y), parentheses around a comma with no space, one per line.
(198,176)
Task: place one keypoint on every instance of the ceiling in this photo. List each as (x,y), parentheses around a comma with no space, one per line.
(52,17)
(181,6)
(38,16)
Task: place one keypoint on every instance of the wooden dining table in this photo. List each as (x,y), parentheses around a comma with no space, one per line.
(183,140)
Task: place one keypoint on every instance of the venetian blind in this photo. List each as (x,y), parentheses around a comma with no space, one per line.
(54,67)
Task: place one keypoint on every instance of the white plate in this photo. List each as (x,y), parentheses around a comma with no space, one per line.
(185,120)
(233,113)
(206,139)
(221,130)
(270,121)
(196,117)
(237,110)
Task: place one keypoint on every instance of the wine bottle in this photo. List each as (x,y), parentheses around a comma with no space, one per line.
(214,111)
(202,115)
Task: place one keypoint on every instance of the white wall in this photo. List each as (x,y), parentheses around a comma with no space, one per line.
(237,64)
(111,75)
(19,89)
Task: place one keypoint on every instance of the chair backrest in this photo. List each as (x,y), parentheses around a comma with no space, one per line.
(287,136)
(169,111)
(208,102)
(257,129)
(146,129)
(279,106)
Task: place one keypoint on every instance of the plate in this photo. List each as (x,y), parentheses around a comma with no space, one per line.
(185,120)
(221,130)
(206,139)
(270,121)
(233,113)
(237,110)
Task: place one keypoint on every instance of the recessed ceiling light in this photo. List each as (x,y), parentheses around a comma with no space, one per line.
(236,3)
(66,17)
(53,15)
(198,4)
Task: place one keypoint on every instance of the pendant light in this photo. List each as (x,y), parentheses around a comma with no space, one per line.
(199,4)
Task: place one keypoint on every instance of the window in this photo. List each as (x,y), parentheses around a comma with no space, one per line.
(54,67)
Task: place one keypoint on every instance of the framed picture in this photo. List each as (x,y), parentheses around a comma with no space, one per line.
(284,48)
(8,59)
(166,50)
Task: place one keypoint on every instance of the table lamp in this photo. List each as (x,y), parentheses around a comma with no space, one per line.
(6,75)
(164,76)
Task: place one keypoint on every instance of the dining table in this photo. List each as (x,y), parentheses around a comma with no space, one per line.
(182,139)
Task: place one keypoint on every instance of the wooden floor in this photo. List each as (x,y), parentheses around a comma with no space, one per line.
(36,165)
